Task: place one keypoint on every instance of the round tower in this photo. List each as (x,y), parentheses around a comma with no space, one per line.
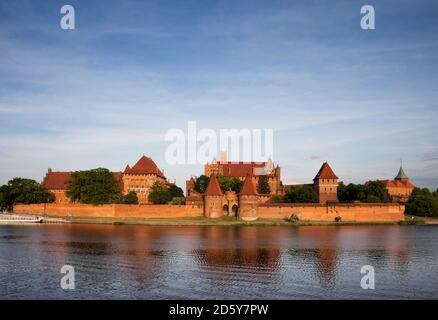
(213,199)
(248,200)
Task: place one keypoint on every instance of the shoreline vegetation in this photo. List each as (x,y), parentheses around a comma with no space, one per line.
(231,221)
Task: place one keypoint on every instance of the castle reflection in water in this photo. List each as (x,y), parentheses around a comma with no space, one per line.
(165,262)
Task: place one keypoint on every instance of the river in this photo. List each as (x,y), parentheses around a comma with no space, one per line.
(199,262)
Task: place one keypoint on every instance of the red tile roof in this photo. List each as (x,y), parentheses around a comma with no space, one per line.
(213,188)
(325,172)
(248,188)
(144,165)
(389,183)
(398,184)
(407,184)
(56,180)
(240,169)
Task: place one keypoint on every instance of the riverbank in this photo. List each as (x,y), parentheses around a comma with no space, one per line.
(227,221)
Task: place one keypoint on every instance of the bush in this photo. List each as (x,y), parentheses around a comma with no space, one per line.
(338,219)
(131,198)
(276,199)
(178,201)
(294,218)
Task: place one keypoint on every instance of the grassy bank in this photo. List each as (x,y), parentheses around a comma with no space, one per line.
(224,221)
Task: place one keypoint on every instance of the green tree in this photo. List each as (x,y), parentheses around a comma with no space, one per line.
(229,183)
(160,194)
(372,191)
(372,199)
(263,185)
(130,198)
(422,204)
(342,192)
(376,189)
(96,186)
(300,194)
(4,197)
(201,183)
(19,190)
(175,191)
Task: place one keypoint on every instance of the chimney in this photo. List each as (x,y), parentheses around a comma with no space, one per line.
(49,170)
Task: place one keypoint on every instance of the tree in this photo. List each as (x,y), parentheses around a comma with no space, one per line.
(19,190)
(300,194)
(175,191)
(130,198)
(372,199)
(229,183)
(96,186)
(263,185)
(422,204)
(4,197)
(201,183)
(376,190)
(372,191)
(160,194)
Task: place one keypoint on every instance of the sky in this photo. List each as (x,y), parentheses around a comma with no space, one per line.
(105,94)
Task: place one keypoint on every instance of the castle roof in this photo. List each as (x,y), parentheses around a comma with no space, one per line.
(56,180)
(401,175)
(241,169)
(144,165)
(213,188)
(398,184)
(325,172)
(248,188)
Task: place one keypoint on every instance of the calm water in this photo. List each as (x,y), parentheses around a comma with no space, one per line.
(156,262)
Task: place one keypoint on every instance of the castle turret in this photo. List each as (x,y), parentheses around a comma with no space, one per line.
(213,199)
(248,200)
(401,175)
(325,184)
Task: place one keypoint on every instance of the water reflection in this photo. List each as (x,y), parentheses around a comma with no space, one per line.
(217,262)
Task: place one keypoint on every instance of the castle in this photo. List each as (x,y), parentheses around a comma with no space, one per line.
(139,178)
(245,204)
(400,188)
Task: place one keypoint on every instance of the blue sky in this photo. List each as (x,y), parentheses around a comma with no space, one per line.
(104,94)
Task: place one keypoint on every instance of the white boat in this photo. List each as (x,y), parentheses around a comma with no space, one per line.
(14,218)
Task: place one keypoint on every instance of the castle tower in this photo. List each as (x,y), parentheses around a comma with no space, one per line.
(325,184)
(213,199)
(248,200)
